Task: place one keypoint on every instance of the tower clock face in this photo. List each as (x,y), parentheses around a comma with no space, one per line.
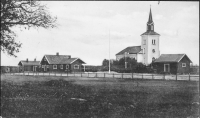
(153,50)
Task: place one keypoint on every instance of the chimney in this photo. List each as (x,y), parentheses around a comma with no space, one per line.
(57,53)
(27,60)
(35,59)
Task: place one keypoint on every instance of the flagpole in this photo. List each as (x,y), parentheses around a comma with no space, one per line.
(109,50)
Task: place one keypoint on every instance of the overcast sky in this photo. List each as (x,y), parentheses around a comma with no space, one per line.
(83,30)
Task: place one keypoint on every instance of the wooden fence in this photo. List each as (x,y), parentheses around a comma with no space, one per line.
(113,75)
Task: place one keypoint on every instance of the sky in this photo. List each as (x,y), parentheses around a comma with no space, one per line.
(83,30)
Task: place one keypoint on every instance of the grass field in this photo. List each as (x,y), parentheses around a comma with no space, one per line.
(75,97)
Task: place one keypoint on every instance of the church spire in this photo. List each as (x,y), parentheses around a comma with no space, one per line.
(150,17)
(150,24)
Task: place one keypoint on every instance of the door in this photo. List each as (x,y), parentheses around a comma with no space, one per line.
(45,68)
(166,68)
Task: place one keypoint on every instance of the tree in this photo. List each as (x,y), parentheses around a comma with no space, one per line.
(105,62)
(21,13)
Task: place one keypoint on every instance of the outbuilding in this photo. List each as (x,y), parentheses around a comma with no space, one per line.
(172,63)
(26,65)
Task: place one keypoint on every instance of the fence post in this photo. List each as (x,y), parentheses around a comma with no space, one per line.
(55,73)
(189,76)
(88,74)
(23,73)
(81,74)
(28,73)
(61,73)
(132,75)
(104,75)
(164,76)
(49,73)
(96,74)
(67,73)
(113,75)
(142,75)
(122,75)
(152,76)
(176,76)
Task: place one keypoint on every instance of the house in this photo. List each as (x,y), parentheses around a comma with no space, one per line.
(27,65)
(149,49)
(61,63)
(172,63)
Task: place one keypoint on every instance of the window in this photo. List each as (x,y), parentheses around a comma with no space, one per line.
(153,59)
(54,66)
(76,66)
(144,42)
(183,64)
(42,66)
(153,42)
(152,27)
(67,66)
(61,66)
(47,66)
(153,50)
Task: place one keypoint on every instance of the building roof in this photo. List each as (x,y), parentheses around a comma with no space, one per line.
(150,33)
(130,50)
(171,58)
(30,63)
(61,59)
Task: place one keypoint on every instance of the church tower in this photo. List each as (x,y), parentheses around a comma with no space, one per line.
(150,42)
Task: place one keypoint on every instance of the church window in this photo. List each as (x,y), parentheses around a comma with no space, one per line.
(153,59)
(153,50)
(144,42)
(153,42)
(152,27)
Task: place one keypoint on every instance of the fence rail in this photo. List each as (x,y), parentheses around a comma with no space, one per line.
(112,75)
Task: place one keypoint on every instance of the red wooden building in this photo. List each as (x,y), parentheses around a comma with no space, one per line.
(172,63)
(61,63)
(26,65)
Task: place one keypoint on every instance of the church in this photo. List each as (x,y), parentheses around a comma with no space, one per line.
(148,51)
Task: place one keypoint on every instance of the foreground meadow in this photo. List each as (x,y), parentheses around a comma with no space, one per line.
(70,97)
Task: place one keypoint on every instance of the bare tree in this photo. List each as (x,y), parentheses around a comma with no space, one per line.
(28,14)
